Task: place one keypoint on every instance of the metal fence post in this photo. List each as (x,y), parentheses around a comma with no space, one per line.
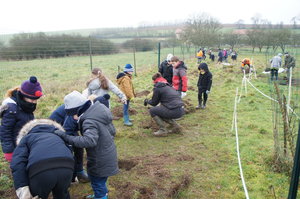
(158,55)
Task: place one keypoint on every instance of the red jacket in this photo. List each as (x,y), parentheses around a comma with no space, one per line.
(179,77)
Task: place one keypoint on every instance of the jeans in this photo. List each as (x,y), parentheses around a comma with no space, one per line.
(274,72)
(99,186)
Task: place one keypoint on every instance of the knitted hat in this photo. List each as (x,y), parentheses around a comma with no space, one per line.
(169,57)
(73,101)
(103,100)
(31,88)
(128,68)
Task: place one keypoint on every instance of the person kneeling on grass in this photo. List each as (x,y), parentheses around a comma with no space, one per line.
(170,108)
(97,130)
(42,162)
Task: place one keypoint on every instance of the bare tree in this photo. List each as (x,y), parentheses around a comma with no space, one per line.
(240,24)
(202,30)
(231,39)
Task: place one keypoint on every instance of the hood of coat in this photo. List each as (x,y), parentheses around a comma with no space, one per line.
(121,77)
(33,123)
(98,112)
(181,65)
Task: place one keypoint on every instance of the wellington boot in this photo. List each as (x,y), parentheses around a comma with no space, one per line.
(174,126)
(162,129)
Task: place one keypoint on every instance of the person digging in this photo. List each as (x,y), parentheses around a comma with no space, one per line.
(170,108)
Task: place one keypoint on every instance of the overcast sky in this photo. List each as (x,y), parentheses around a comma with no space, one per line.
(51,15)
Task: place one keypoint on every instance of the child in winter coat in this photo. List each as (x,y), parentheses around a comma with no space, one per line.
(97,137)
(16,110)
(100,85)
(71,127)
(42,162)
(204,85)
(126,86)
(180,80)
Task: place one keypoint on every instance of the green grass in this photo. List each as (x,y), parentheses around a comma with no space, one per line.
(204,153)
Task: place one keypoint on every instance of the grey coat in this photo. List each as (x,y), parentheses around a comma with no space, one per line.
(94,88)
(275,62)
(98,133)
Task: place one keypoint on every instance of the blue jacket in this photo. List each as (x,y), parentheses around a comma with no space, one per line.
(59,115)
(39,149)
(13,119)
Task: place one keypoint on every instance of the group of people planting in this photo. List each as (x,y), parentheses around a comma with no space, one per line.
(46,155)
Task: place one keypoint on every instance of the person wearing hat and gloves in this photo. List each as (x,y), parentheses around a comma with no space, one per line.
(275,65)
(170,108)
(166,69)
(71,127)
(42,162)
(16,110)
(204,85)
(289,62)
(124,81)
(97,137)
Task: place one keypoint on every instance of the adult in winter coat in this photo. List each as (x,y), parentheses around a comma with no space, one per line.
(180,80)
(97,137)
(275,65)
(124,80)
(16,110)
(170,106)
(289,62)
(166,69)
(42,162)
(204,85)
(100,85)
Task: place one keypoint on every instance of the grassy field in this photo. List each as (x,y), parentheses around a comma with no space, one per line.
(199,163)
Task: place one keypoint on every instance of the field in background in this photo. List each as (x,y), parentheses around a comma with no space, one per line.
(199,163)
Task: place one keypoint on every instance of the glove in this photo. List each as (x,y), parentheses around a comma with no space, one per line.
(23,193)
(60,133)
(183,94)
(145,102)
(8,156)
(124,100)
(207,92)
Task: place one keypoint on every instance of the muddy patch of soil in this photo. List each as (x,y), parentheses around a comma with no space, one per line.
(127,164)
(191,88)
(118,111)
(149,124)
(188,107)
(184,182)
(142,93)
(185,158)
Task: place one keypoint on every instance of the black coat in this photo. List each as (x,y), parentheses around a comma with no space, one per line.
(166,71)
(166,95)
(205,81)
(39,149)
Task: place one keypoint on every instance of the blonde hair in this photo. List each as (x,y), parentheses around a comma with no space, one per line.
(9,92)
(92,97)
(102,79)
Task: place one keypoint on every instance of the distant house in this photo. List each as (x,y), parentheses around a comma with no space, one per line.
(178,33)
(240,31)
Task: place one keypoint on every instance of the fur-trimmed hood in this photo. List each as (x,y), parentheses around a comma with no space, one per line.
(33,123)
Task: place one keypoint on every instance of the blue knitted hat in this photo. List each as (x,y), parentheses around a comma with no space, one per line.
(128,68)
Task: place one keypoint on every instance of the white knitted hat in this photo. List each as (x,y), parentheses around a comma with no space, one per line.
(73,101)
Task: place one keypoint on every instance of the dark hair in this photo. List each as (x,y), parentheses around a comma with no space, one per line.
(174,59)
(155,76)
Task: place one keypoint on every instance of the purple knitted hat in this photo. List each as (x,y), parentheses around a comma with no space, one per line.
(31,88)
